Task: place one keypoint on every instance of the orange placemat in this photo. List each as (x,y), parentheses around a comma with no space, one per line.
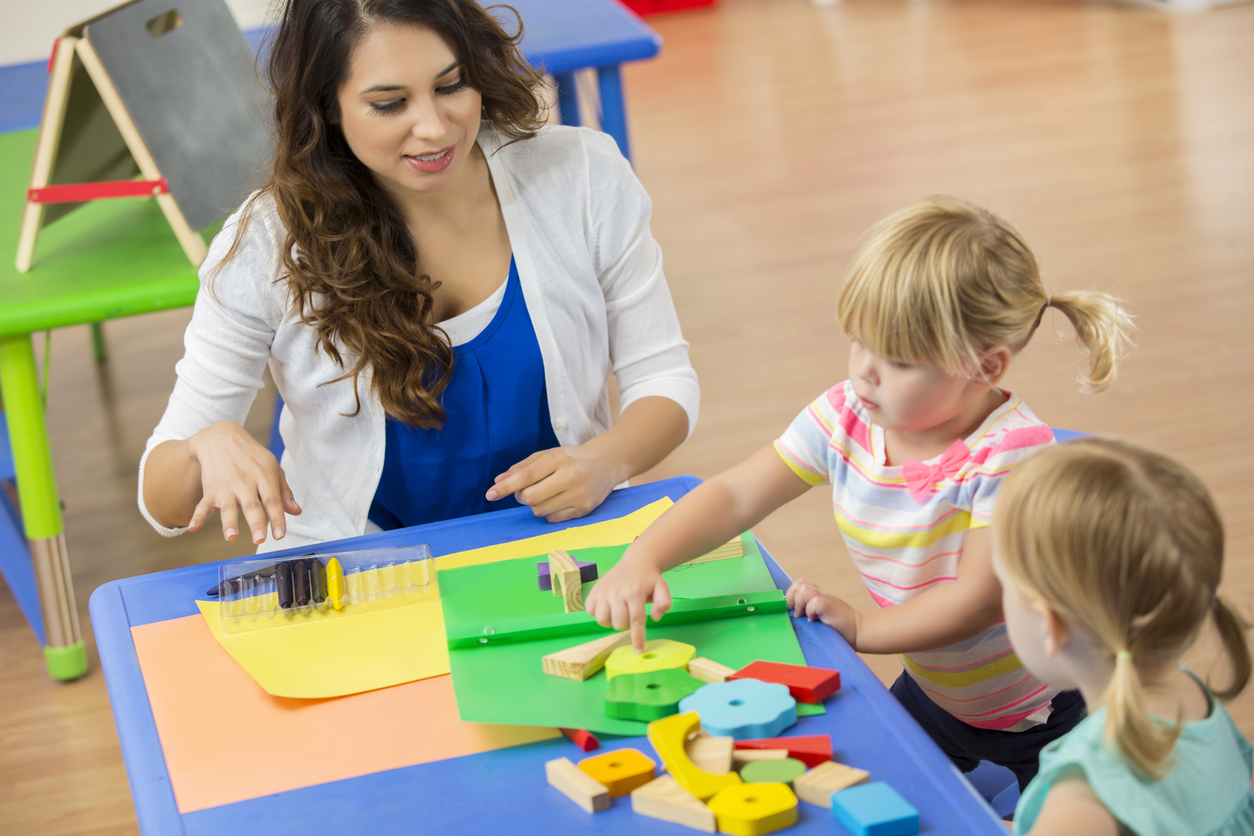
(226,740)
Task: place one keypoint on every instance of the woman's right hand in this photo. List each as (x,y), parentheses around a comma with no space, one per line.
(617,600)
(239,474)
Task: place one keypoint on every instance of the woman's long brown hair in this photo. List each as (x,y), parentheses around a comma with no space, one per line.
(349,258)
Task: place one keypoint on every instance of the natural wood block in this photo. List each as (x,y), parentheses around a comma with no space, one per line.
(712,754)
(577,785)
(620,771)
(740,757)
(707,670)
(663,798)
(566,580)
(584,660)
(732,548)
(817,785)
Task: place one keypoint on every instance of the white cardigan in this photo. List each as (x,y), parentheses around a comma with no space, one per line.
(591,274)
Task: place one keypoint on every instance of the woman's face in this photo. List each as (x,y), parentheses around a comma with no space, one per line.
(406,110)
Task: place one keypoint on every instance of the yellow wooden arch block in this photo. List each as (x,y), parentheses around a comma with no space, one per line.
(658,655)
(754,809)
(667,736)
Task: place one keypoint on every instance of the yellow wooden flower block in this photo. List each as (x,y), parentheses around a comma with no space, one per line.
(658,655)
(754,809)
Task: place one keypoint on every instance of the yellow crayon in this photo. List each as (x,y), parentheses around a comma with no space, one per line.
(335,583)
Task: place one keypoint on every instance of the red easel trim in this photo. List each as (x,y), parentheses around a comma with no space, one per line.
(80,192)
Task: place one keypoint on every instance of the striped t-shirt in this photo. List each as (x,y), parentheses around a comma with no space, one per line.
(906,526)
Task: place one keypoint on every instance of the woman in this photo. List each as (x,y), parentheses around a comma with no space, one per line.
(441,287)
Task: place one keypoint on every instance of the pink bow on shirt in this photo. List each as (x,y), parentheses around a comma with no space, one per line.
(921,478)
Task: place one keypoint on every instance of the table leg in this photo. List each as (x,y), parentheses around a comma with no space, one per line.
(64,651)
(613,106)
(567,98)
(98,347)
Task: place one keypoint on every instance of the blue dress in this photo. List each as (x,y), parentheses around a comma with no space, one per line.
(1207,792)
(498,414)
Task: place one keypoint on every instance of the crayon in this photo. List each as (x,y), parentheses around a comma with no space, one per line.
(283,580)
(335,583)
(300,583)
(233,584)
(317,580)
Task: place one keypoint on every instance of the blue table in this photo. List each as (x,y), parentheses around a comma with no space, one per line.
(562,36)
(868,728)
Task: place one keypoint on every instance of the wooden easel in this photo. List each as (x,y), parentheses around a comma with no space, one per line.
(138,105)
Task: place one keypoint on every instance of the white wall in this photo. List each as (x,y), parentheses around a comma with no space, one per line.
(28,27)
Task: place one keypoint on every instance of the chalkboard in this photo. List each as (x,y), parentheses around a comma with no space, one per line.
(188,79)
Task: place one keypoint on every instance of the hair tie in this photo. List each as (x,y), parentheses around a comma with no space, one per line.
(1049,300)
(1123,654)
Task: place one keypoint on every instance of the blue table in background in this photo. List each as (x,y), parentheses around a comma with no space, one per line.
(868,728)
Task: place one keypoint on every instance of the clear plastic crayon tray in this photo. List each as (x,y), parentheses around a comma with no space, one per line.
(259,593)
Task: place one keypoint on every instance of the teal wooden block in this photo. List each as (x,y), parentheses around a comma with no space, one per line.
(875,809)
(649,696)
(744,708)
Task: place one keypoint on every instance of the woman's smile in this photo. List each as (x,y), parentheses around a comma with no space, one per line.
(431,163)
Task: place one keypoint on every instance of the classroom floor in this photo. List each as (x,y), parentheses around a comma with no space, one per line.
(771,134)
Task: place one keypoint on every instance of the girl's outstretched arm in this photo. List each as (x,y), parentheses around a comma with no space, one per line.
(1073,809)
(708,516)
(947,613)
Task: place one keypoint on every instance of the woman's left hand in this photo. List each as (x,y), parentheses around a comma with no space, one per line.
(561,483)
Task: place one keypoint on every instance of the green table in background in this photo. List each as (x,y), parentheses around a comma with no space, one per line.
(107,259)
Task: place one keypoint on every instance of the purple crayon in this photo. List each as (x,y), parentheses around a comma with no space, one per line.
(587,572)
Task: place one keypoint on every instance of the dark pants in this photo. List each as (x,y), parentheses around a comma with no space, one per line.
(966,745)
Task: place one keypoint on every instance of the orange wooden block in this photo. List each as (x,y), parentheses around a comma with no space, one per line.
(621,771)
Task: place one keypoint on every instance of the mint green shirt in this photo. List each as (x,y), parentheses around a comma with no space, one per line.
(1207,792)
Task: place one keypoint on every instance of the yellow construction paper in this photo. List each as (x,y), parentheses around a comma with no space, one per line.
(363,648)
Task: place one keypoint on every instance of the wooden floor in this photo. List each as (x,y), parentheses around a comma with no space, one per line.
(771,134)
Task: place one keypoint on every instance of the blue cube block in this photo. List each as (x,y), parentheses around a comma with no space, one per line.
(875,809)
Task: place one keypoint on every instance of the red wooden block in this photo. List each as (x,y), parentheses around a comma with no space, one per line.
(810,749)
(812,685)
(586,740)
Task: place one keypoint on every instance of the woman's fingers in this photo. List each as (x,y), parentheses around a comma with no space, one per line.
(527,472)
(254,518)
(230,519)
(272,501)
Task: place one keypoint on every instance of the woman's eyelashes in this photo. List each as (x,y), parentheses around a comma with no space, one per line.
(395,105)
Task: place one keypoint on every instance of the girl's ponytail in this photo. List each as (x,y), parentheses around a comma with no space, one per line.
(1145,744)
(1103,327)
(1232,632)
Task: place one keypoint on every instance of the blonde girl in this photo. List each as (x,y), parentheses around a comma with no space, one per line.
(938,300)
(1110,557)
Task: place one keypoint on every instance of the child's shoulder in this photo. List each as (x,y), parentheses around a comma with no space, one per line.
(1011,432)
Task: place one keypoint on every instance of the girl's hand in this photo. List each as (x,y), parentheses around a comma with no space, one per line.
(237,473)
(617,600)
(560,484)
(805,598)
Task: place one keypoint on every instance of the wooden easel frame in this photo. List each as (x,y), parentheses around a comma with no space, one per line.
(71,48)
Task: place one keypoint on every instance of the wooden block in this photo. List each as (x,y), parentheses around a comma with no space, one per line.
(732,548)
(668,736)
(712,754)
(544,577)
(754,809)
(817,785)
(744,709)
(875,809)
(584,660)
(620,771)
(566,580)
(648,696)
(663,798)
(810,749)
(577,785)
(774,771)
(810,685)
(707,670)
(582,738)
(740,757)
(658,655)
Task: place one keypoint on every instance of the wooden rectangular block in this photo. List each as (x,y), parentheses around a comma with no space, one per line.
(584,660)
(732,548)
(567,582)
(712,754)
(663,798)
(817,785)
(740,757)
(708,670)
(576,785)
(810,685)
(810,749)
